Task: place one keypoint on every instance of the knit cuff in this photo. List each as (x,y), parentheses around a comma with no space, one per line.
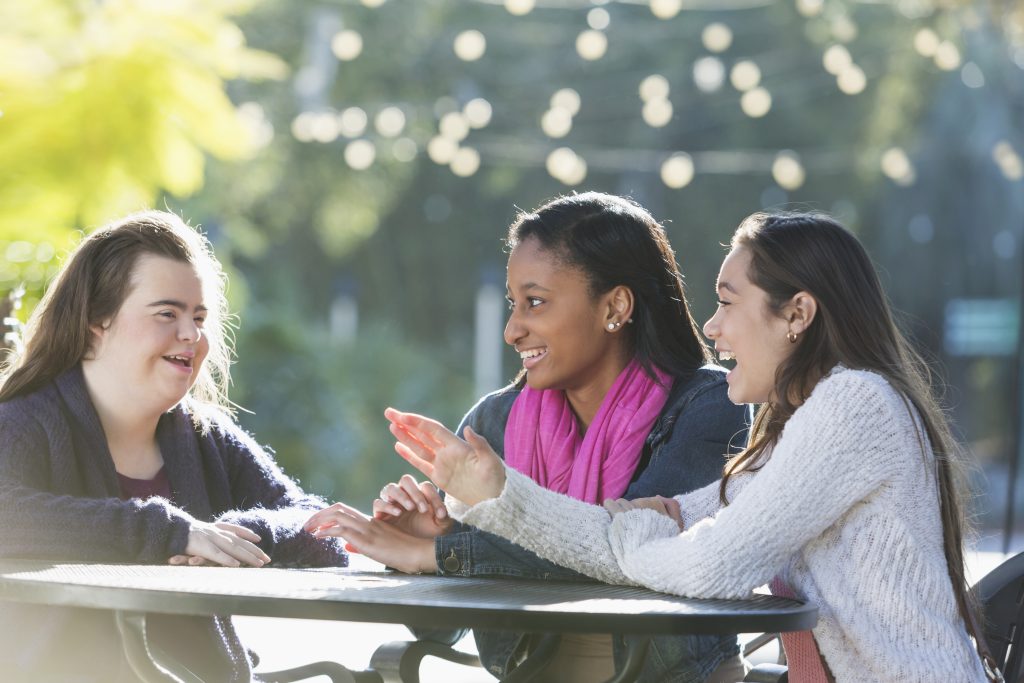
(630,530)
(493,514)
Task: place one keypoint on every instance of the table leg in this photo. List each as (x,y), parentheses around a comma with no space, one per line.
(132,626)
(636,651)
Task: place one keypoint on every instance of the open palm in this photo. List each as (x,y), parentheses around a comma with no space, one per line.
(469,470)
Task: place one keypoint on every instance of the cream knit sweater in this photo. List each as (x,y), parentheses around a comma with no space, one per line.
(845,511)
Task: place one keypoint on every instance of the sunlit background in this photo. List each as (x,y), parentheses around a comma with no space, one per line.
(357,163)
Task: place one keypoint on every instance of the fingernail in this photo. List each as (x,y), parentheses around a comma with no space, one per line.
(442,513)
(422,507)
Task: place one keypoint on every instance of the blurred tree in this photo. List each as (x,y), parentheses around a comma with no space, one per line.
(104,106)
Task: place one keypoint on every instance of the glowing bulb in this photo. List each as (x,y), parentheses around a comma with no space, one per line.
(519,8)
(657,113)
(709,73)
(441,150)
(787,170)
(347,45)
(359,154)
(352,122)
(852,80)
(947,56)
(567,99)
(837,58)
(926,42)
(556,122)
(390,122)
(598,19)
(654,87)
(677,171)
(666,9)
(591,45)
(477,112)
(465,162)
(470,45)
(717,37)
(756,103)
(745,75)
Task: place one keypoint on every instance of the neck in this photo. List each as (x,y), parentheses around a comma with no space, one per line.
(586,400)
(128,425)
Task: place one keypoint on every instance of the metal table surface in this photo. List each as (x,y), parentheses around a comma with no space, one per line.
(133,591)
(390,597)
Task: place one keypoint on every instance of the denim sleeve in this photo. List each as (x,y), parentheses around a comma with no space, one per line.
(689,451)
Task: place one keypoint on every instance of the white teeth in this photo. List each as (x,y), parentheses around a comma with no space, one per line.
(726,355)
(530,353)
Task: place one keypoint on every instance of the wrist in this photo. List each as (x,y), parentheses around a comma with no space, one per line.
(425,556)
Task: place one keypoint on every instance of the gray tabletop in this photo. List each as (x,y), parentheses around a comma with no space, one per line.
(388,597)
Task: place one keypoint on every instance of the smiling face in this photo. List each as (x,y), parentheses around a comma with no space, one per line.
(558,328)
(150,354)
(746,329)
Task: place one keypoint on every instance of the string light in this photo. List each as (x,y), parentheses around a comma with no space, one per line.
(470,45)
(654,87)
(745,75)
(352,122)
(478,112)
(360,154)
(756,103)
(591,45)
(709,74)
(787,170)
(666,9)
(677,171)
(519,8)
(347,45)
(717,37)
(465,162)
(390,122)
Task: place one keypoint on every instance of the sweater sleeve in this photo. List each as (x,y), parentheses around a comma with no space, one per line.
(272,504)
(827,460)
(38,523)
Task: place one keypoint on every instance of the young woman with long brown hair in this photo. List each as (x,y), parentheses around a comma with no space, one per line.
(847,495)
(117,445)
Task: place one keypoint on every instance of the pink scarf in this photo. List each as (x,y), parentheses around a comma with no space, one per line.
(542,438)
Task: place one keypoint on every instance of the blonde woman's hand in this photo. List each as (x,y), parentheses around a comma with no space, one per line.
(229,545)
(414,507)
(470,470)
(665,506)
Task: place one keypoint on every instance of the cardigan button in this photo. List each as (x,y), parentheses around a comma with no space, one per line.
(451,563)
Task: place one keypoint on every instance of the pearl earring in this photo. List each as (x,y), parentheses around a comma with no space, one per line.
(611,326)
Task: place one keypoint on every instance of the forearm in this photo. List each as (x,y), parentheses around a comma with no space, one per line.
(282,536)
(567,532)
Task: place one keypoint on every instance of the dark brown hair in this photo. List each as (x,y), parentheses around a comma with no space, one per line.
(854,326)
(614,241)
(90,289)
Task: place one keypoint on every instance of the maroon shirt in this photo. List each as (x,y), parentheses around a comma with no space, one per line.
(159,485)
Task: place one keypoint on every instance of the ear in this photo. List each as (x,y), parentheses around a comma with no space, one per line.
(619,304)
(800,312)
(97,333)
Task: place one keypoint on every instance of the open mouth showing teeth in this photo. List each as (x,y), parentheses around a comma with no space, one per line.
(532,353)
(726,355)
(179,360)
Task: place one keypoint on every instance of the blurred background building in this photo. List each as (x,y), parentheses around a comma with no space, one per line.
(356,164)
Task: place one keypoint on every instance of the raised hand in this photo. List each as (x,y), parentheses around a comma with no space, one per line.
(665,506)
(470,470)
(229,545)
(377,539)
(414,507)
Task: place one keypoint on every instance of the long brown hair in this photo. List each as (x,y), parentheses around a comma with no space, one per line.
(615,241)
(90,289)
(853,326)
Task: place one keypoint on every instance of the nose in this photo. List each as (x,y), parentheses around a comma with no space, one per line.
(514,330)
(711,326)
(189,332)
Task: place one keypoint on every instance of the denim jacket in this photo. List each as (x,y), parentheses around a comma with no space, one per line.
(685,450)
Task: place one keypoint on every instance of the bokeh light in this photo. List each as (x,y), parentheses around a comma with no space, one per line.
(465,162)
(756,103)
(470,45)
(654,87)
(360,154)
(591,45)
(390,122)
(657,113)
(478,112)
(709,74)
(745,75)
(788,171)
(717,37)
(347,45)
(677,171)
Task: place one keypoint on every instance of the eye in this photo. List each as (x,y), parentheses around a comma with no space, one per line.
(723,303)
(168,314)
(534,301)
(199,320)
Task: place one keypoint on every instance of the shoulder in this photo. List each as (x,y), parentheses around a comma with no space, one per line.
(31,415)
(859,400)
(216,427)
(702,393)
(493,407)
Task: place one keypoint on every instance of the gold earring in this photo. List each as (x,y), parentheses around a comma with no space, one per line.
(791,336)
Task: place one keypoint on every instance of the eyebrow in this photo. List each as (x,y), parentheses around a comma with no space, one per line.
(726,285)
(176,304)
(528,286)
